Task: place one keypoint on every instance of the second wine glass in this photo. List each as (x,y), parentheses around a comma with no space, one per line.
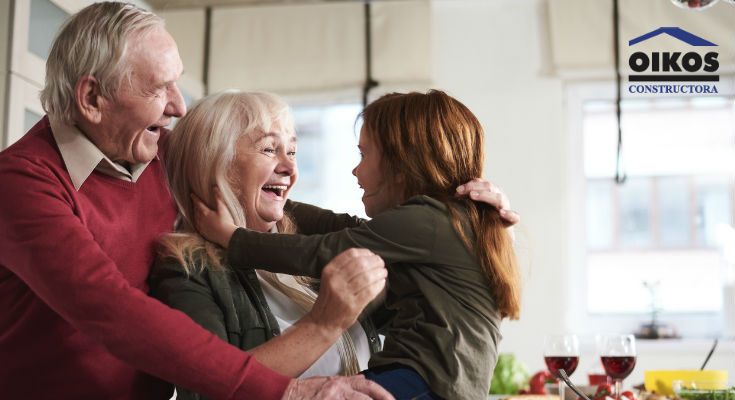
(561,352)
(618,356)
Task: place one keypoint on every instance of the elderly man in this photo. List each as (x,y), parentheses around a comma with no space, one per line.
(84,198)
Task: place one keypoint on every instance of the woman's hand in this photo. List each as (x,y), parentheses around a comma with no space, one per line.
(348,283)
(335,388)
(214,225)
(483,191)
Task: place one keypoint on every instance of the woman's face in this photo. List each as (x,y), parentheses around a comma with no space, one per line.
(378,195)
(262,174)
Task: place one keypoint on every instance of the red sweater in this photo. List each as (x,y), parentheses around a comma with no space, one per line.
(75,320)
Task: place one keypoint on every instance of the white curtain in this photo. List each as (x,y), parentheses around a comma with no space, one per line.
(582,32)
(317,48)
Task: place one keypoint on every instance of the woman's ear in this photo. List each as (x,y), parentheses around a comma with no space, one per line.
(88,98)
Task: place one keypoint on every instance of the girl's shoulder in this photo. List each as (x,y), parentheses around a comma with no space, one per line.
(425,200)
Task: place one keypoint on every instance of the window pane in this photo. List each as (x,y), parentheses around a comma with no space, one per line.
(635,227)
(327,153)
(669,217)
(46,20)
(674,212)
(29,119)
(689,281)
(600,212)
(713,209)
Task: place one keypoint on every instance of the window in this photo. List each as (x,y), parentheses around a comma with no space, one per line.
(669,226)
(327,153)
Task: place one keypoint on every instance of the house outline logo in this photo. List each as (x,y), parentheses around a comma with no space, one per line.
(675,32)
(651,68)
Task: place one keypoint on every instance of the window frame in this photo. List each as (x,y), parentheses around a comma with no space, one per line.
(579,319)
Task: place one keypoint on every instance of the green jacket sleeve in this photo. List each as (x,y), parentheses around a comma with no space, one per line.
(191,294)
(402,234)
(313,220)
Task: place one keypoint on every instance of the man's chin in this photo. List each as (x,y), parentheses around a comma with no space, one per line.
(146,155)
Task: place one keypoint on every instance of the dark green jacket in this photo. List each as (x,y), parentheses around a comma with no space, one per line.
(446,325)
(230,303)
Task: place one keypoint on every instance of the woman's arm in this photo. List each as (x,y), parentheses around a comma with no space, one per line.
(484,191)
(349,282)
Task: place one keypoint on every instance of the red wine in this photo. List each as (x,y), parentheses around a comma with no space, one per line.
(567,363)
(618,367)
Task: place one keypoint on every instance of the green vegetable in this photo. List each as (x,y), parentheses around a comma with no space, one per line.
(694,394)
(510,376)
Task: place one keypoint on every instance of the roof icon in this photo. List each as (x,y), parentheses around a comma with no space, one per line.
(684,36)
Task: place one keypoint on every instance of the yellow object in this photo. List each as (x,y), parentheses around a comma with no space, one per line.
(661,381)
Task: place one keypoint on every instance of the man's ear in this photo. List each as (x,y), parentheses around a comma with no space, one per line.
(88,98)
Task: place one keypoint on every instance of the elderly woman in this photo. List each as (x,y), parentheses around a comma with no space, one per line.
(244,145)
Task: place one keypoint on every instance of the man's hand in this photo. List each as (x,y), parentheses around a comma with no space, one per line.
(214,225)
(348,283)
(483,191)
(335,388)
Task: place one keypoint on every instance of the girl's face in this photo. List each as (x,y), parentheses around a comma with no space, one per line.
(378,194)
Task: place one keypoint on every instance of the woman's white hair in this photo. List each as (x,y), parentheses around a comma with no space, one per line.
(198,156)
(92,42)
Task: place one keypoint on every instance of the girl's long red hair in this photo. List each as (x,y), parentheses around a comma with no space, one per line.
(433,143)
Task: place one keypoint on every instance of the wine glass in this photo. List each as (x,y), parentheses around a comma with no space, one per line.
(618,356)
(561,352)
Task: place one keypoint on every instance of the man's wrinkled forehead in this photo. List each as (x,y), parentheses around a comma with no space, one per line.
(152,55)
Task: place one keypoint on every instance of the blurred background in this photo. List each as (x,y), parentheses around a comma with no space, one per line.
(656,252)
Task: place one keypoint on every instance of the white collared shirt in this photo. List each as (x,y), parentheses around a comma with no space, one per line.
(82,157)
(287,313)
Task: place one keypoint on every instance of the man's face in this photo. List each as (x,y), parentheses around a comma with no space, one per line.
(132,121)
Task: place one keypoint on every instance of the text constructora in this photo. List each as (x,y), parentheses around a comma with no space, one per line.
(673,89)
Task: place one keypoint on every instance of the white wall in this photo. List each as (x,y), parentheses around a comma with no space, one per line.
(493,56)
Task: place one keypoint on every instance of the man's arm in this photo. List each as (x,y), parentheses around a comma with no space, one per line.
(44,243)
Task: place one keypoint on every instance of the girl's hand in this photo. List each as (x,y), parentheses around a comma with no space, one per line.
(483,191)
(214,225)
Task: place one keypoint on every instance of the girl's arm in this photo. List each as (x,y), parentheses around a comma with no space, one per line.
(311,219)
(403,234)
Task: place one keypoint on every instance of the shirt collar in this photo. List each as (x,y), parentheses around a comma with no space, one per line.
(82,157)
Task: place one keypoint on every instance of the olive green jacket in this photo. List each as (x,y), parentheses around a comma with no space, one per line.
(230,302)
(446,325)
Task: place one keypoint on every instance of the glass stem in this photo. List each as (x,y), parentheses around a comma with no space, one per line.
(561,389)
(618,383)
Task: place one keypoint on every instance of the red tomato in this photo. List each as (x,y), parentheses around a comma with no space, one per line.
(630,395)
(537,382)
(603,389)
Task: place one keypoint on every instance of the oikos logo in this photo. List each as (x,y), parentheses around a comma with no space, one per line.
(674,67)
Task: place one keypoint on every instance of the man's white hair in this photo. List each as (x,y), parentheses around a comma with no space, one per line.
(92,42)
